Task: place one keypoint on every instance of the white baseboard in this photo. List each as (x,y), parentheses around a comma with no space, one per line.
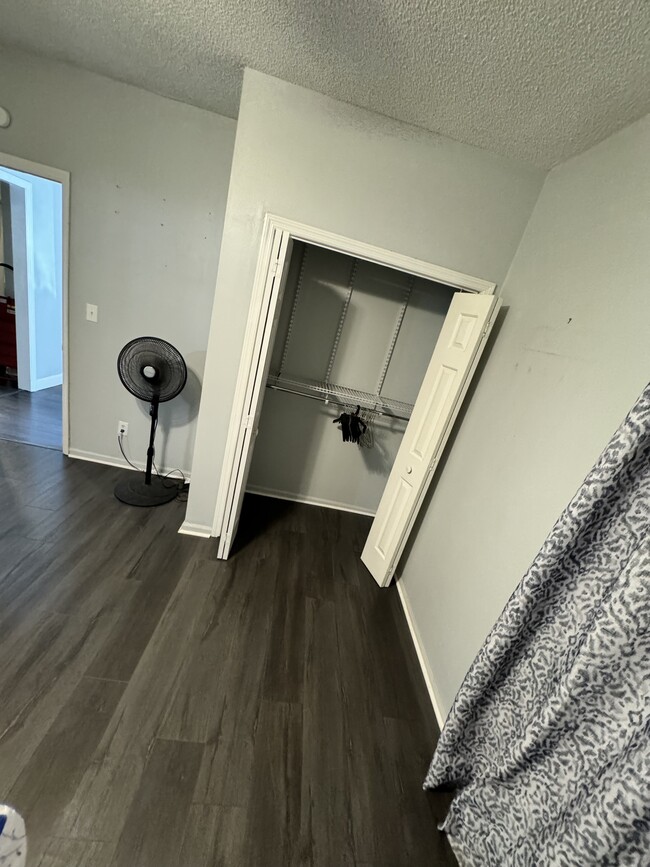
(187,528)
(424,665)
(48,381)
(310,501)
(110,461)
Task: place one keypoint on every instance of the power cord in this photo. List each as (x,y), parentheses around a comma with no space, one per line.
(183,488)
(130,463)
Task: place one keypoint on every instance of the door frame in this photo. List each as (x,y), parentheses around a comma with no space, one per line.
(259,309)
(62,177)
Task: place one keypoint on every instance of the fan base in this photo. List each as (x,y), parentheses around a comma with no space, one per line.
(134,492)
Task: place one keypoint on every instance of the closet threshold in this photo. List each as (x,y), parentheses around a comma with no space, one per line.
(327,392)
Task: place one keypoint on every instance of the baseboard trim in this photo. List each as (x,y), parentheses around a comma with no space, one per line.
(309,501)
(408,613)
(48,381)
(110,461)
(187,528)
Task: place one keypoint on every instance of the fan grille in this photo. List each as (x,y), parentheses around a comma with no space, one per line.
(152,368)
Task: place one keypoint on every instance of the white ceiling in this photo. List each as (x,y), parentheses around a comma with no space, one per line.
(538,80)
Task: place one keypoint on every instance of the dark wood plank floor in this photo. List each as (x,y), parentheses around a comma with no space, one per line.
(31,417)
(161,708)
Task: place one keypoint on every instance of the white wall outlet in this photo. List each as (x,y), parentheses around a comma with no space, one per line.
(91,312)
(122,428)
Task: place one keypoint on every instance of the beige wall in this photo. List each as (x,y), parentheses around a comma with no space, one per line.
(571,358)
(149,179)
(310,158)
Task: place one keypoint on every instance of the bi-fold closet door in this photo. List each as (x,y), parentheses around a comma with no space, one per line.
(452,364)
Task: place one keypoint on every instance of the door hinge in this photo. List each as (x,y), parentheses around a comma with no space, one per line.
(248,422)
(275,267)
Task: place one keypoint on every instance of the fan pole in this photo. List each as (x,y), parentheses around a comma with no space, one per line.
(153,412)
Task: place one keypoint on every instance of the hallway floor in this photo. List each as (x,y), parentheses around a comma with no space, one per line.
(31,417)
(161,708)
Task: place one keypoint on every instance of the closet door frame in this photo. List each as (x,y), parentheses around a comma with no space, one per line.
(256,353)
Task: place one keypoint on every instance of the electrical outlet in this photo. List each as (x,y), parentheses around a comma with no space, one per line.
(122,428)
(91,312)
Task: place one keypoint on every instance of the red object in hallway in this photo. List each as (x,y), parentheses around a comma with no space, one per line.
(8,355)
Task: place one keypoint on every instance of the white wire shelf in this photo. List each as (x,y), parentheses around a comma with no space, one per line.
(328,392)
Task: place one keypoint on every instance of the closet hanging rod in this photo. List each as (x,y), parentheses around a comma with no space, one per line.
(342,396)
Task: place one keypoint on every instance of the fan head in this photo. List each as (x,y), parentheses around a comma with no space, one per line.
(152,369)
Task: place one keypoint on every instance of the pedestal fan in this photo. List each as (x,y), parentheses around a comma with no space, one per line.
(152,370)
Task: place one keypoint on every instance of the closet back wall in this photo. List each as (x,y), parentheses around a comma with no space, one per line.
(325,163)
(299,452)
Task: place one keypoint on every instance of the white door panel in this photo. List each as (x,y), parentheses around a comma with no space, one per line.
(281,245)
(452,364)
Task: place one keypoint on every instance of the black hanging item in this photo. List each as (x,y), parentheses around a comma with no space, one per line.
(152,370)
(344,421)
(352,427)
(357,426)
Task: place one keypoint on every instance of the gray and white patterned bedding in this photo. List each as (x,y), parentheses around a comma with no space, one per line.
(548,741)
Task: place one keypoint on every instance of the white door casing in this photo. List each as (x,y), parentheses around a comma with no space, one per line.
(62,177)
(458,349)
(278,235)
(277,266)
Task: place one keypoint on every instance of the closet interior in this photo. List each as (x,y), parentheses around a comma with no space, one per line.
(352,336)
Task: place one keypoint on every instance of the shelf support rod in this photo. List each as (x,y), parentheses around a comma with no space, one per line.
(294,307)
(344,313)
(396,330)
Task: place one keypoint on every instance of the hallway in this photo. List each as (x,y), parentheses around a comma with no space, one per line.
(31,417)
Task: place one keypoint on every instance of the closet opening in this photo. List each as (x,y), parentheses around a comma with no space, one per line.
(350,334)
(352,373)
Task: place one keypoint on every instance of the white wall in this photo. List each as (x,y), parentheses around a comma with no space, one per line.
(310,158)
(299,452)
(571,358)
(148,186)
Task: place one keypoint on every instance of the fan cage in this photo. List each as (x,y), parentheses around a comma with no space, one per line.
(165,359)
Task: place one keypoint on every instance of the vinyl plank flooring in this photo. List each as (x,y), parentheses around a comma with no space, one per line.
(15,550)
(159,569)
(284,670)
(326,833)
(407,762)
(32,417)
(74,853)
(274,811)
(214,837)
(37,682)
(154,830)
(196,706)
(226,772)
(366,763)
(102,801)
(162,707)
(52,774)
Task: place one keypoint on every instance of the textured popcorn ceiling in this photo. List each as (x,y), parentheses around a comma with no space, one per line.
(538,80)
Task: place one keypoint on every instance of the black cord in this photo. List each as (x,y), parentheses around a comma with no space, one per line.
(130,463)
(161,477)
(167,475)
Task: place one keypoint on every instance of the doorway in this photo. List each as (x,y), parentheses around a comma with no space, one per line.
(34,202)
(464,310)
